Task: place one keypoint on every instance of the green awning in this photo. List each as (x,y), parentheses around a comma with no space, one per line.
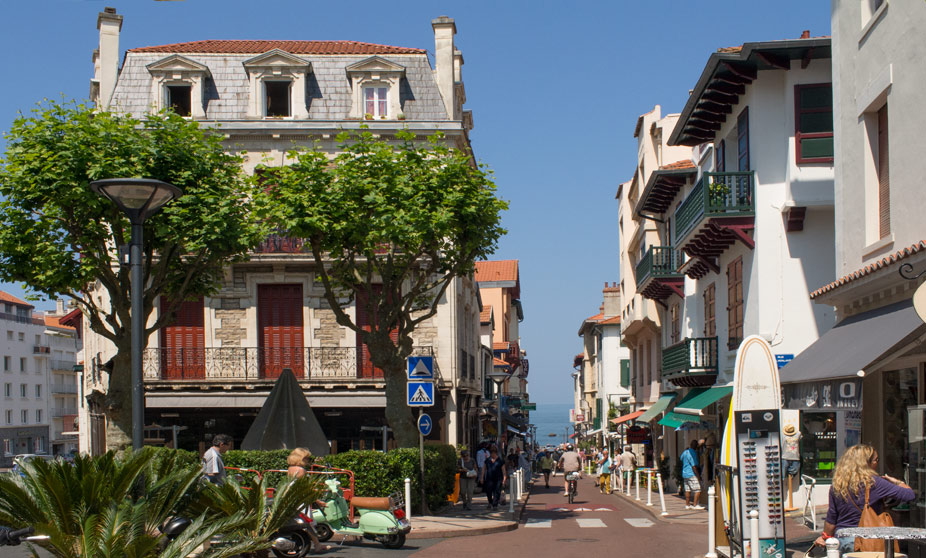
(694,405)
(674,420)
(658,407)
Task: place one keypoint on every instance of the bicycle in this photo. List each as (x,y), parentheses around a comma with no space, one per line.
(573,479)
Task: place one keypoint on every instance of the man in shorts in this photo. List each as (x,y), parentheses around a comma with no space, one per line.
(571,463)
(691,470)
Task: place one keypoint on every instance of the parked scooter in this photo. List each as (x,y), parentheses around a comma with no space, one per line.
(381,519)
(291,541)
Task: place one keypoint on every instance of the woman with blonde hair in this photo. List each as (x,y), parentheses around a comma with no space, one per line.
(856,475)
(298,460)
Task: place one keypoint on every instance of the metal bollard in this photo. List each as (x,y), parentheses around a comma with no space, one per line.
(649,487)
(662,497)
(638,483)
(627,484)
(510,496)
(711,524)
(754,534)
(832,547)
(408,499)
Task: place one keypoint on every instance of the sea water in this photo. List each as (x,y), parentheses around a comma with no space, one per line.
(552,418)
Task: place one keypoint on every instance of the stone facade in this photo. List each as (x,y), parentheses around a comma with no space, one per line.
(230,332)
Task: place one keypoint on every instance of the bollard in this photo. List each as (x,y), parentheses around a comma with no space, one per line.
(517,484)
(832,547)
(754,534)
(637,479)
(662,497)
(711,523)
(408,499)
(627,484)
(510,496)
(649,487)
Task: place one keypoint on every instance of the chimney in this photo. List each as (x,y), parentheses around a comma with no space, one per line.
(805,34)
(59,307)
(444,30)
(109,24)
(612,300)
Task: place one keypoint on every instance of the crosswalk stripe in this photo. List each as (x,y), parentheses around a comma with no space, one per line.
(539,523)
(590,522)
(639,521)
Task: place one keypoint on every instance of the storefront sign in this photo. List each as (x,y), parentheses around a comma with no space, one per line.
(831,394)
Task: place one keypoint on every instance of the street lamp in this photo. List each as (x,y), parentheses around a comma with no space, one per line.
(138,198)
(499,378)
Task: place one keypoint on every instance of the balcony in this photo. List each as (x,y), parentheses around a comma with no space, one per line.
(323,365)
(280,243)
(691,362)
(61,412)
(718,212)
(63,389)
(21,319)
(63,365)
(41,350)
(657,273)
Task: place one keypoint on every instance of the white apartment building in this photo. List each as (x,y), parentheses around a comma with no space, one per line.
(64,345)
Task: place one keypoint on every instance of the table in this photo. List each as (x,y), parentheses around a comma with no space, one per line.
(888,534)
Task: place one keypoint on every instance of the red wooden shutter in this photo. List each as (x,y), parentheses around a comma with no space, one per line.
(365,368)
(280,329)
(183,342)
(884,182)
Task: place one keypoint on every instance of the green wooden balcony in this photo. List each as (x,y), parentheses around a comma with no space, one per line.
(657,273)
(691,362)
(716,213)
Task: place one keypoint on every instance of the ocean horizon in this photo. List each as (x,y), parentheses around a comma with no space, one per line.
(551,418)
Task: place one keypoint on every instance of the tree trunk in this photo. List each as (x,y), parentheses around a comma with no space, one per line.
(117,404)
(398,414)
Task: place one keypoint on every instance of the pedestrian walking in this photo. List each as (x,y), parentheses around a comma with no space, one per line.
(691,471)
(468,474)
(628,464)
(604,472)
(481,455)
(546,466)
(493,475)
(213,466)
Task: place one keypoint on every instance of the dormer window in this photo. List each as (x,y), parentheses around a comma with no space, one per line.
(277,81)
(375,83)
(177,83)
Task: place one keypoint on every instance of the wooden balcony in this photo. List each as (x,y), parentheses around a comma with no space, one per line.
(691,362)
(718,212)
(657,273)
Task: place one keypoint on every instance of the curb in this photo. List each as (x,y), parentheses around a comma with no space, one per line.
(502,526)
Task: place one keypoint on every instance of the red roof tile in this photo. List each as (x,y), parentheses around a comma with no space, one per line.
(501,346)
(55,321)
(292,47)
(596,318)
(500,270)
(685,164)
(731,50)
(871,268)
(6,297)
(611,321)
(500,362)
(485,316)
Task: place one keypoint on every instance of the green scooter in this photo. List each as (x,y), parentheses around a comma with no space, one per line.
(381,519)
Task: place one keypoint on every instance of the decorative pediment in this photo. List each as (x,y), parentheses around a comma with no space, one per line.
(376,64)
(176,63)
(277,59)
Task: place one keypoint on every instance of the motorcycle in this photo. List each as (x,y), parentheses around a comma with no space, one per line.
(291,541)
(381,519)
(13,537)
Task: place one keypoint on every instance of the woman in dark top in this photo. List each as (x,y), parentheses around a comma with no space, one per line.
(855,472)
(493,476)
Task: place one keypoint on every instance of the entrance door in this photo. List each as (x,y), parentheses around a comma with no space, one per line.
(183,342)
(280,330)
(365,368)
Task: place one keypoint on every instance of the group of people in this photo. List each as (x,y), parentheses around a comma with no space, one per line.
(487,469)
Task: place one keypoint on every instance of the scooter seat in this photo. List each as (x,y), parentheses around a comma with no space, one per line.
(371,503)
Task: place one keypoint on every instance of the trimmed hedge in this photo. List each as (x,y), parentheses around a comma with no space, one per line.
(375,473)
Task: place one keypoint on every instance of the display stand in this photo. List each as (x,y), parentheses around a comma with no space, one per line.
(760,483)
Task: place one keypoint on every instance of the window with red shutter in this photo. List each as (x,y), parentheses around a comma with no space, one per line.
(735,303)
(183,342)
(280,329)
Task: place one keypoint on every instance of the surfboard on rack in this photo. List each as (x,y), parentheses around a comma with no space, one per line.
(756,385)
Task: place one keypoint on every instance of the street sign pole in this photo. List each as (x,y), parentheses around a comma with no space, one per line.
(424,502)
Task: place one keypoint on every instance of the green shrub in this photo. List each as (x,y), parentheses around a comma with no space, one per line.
(257,459)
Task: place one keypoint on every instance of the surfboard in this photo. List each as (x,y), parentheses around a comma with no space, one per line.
(756,385)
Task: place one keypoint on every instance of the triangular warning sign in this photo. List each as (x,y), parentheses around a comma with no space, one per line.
(420,370)
(420,396)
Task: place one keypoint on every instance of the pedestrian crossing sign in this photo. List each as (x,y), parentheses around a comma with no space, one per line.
(420,394)
(420,368)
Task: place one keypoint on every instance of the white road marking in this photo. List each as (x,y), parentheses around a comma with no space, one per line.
(639,521)
(582,509)
(561,509)
(603,509)
(539,523)
(590,522)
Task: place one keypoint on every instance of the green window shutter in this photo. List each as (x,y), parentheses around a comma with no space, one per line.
(597,414)
(625,373)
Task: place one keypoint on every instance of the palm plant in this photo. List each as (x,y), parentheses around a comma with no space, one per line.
(109,506)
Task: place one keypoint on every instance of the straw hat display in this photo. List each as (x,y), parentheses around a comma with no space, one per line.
(789,430)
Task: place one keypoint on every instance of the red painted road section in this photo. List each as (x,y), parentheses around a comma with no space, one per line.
(565,538)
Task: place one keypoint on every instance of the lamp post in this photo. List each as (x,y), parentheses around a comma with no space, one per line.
(499,378)
(138,198)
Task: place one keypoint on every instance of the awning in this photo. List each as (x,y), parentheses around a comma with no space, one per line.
(594,432)
(694,405)
(625,418)
(674,420)
(658,407)
(855,344)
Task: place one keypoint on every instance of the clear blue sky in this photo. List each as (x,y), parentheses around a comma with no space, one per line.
(555,89)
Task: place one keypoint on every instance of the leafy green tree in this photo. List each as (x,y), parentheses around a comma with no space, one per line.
(58,237)
(390,227)
(94,507)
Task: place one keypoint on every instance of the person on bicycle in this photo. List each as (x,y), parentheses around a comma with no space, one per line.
(570,463)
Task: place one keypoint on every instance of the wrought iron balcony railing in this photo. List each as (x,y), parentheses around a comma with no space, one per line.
(312,364)
(692,361)
(717,194)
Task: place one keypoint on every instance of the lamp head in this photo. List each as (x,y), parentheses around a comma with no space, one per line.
(138,198)
(498,377)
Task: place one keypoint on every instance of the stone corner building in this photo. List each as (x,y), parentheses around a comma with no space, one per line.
(212,369)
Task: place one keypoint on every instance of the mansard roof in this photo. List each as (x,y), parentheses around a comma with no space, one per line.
(292,47)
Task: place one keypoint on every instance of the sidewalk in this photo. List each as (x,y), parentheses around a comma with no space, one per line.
(454,521)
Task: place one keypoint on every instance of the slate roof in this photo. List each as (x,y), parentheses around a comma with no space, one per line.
(292,47)
(871,268)
(499,270)
(6,297)
(328,92)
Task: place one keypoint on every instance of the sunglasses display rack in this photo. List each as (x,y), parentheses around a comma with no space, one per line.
(760,482)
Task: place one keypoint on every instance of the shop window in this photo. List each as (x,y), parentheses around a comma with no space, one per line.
(276,98)
(813,123)
(818,444)
(179,99)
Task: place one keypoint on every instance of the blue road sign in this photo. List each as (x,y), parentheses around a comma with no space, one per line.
(420,368)
(425,424)
(783,360)
(420,394)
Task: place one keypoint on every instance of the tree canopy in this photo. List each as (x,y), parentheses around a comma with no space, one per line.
(390,226)
(59,238)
